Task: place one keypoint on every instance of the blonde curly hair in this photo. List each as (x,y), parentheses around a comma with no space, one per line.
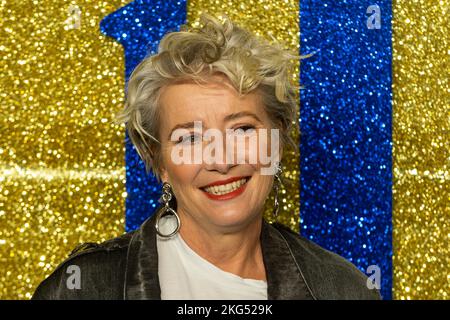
(195,53)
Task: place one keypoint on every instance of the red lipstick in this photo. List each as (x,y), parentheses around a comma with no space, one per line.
(220,182)
(226,196)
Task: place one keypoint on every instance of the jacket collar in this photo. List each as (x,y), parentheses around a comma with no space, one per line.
(285,280)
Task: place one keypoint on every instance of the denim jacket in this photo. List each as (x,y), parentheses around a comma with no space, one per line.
(127,268)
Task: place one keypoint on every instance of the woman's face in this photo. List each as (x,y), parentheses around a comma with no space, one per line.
(219,192)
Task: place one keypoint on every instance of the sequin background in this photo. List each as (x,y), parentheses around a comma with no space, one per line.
(62,178)
(346,144)
(421,150)
(63,171)
(62,160)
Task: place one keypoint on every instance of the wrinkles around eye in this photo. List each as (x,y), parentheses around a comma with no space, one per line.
(197,137)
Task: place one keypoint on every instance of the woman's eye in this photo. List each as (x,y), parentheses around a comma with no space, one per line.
(245,129)
(190,139)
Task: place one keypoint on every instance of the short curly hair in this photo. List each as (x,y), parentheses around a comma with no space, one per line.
(194,53)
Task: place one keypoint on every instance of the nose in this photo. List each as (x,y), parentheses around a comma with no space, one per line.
(220,160)
(219,167)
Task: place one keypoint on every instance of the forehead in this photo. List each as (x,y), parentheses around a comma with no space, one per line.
(188,100)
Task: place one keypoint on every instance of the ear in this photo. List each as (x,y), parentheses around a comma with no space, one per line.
(163,175)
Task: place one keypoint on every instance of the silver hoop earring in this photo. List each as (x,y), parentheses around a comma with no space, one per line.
(277,184)
(166,197)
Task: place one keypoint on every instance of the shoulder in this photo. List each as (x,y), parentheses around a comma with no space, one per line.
(329,275)
(91,271)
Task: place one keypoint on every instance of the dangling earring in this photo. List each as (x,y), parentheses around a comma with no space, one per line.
(277,184)
(166,197)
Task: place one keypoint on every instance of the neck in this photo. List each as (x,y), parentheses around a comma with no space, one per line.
(238,252)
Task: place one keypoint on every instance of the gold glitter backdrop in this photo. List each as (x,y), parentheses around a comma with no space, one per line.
(62,160)
(421,154)
(280,20)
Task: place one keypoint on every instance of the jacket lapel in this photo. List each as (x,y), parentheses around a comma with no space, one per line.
(284,277)
(285,280)
(141,278)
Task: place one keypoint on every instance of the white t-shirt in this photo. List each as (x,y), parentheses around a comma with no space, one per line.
(184,275)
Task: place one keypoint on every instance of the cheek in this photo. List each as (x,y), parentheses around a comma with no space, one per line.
(262,188)
(263,149)
(181,176)
(249,150)
(267,183)
(262,182)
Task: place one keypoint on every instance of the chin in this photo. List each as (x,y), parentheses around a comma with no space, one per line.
(231,218)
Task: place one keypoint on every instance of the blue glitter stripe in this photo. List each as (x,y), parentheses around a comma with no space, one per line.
(346,138)
(139,26)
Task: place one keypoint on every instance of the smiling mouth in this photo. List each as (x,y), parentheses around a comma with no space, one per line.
(226,189)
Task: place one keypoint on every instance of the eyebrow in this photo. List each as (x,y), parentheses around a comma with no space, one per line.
(230,117)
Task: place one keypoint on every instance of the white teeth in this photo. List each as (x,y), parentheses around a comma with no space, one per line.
(225,188)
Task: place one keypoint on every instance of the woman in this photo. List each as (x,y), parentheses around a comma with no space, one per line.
(210,114)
